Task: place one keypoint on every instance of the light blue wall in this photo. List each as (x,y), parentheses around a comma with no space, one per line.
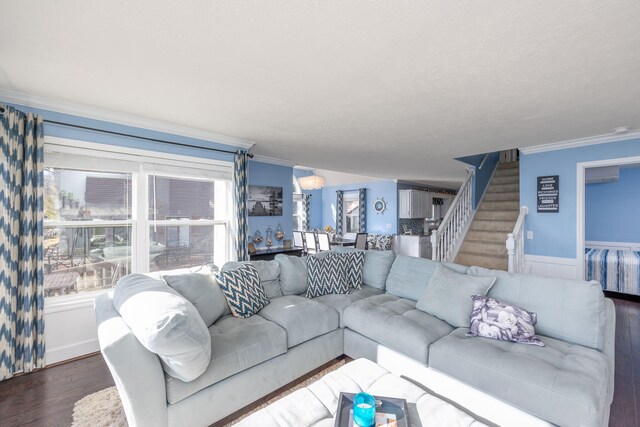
(555,233)
(315,203)
(273,176)
(123,141)
(613,209)
(483,176)
(376,223)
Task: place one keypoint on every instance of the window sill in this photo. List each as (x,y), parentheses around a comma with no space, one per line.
(72,302)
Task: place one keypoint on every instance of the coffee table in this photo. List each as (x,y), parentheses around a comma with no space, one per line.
(316,404)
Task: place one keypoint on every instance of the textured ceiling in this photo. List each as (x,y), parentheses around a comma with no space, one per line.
(392,89)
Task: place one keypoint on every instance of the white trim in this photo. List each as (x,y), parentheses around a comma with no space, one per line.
(628,246)
(550,266)
(67,352)
(550,260)
(580,202)
(581,142)
(272,160)
(71,146)
(102,114)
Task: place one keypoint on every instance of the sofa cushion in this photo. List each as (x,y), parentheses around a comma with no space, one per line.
(203,291)
(236,344)
(353,263)
(165,323)
(396,323)
(302,318)
(340,302)
(243,290)
(562,383)
(326,276)
(409,275)
(448,295)
(293,274)
(269,272)
(570,310)
(493,319)
(377,265)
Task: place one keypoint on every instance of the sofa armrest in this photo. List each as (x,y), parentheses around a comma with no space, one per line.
(136,371)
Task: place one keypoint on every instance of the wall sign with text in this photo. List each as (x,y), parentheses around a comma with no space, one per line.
(549,194)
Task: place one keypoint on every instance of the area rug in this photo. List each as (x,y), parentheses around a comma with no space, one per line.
(104,409)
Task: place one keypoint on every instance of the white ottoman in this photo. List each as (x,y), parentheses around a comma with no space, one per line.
(316,404)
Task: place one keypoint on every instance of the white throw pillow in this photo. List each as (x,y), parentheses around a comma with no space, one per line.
(166,324)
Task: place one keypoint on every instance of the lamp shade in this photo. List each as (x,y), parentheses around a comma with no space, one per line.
(313,182)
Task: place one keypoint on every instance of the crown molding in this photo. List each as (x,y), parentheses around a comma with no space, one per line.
(273,161)
(581,142)
(102,114)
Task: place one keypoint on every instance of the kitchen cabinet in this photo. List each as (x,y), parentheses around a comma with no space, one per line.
(413,245)
(414,204)
(439,211)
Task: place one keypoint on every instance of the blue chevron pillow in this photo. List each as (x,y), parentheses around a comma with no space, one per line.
(326,275)
(353,263)
(243,290)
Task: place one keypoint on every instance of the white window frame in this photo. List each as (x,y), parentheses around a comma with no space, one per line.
(349,197)
(297,213)
(66,153)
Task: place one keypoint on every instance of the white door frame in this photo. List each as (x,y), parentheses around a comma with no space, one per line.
(580,203)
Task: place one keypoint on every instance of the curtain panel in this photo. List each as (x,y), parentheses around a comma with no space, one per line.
(240,204)
(362,208)
(22,346)
(339,210)
(306,211)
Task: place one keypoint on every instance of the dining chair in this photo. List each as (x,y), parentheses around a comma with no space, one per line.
(298,240)
(310,240)
(361,240)
(323,242)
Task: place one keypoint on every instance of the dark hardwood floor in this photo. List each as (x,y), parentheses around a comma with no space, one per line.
(46,397)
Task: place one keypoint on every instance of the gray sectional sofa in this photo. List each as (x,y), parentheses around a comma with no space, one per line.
(567,382)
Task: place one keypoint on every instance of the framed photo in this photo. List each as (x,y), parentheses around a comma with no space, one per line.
(265,201)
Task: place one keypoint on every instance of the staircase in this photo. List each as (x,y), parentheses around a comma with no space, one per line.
(484,243)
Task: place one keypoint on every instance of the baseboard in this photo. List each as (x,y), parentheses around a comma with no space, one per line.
(60,354)
(551,266)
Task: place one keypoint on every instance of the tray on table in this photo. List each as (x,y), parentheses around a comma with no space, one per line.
(390,405)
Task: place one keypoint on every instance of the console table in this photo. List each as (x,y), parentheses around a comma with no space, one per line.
(265,254)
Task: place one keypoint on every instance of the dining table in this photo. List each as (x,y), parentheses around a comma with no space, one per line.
(341,241)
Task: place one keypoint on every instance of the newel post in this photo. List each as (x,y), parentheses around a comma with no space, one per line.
(511,250)
(434,244)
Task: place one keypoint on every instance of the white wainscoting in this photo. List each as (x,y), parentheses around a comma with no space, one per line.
(70,329)
(551,266)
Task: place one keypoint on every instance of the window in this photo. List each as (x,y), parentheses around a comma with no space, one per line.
(109,214)
(297,212)
(351,213)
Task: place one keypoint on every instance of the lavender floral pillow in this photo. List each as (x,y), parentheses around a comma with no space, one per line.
(493,319)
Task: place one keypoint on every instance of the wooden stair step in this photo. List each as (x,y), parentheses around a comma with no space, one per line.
(481,260)
(501,205)
(484,248)
(492,225)
(501,196)
(491,214)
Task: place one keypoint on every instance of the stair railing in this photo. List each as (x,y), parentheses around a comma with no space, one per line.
(446,240)
(515,243)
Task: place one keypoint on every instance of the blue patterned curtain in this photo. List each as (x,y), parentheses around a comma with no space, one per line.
(306,213)
(339,208)
(240,202)
(362,208)
(22,345)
